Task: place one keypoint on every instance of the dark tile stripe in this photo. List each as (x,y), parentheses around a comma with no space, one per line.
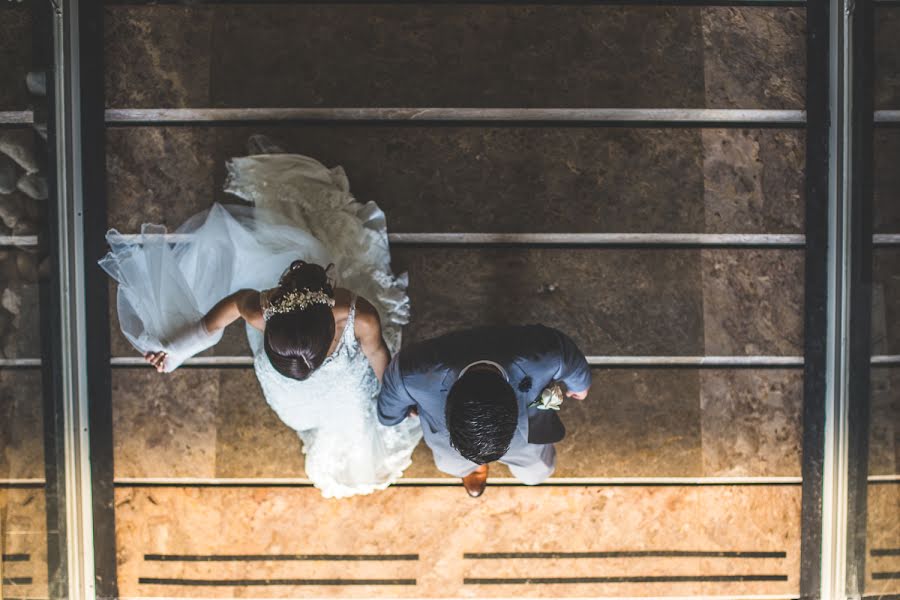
(271,582)
(17,581)
(677,3)
(626,579)
(625,554)
(16,557)
(275,557)
(886,575)
(885,552)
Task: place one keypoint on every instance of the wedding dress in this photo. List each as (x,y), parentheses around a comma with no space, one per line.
(300,210)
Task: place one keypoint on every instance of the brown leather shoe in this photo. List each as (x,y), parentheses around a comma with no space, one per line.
(476,481)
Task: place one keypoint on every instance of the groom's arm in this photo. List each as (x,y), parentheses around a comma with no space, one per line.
(574,370)
(394,401)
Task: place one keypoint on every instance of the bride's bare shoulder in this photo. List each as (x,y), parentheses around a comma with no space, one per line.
(367,320)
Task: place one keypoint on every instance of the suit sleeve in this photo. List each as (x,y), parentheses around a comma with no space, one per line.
(574,370)
(394,401)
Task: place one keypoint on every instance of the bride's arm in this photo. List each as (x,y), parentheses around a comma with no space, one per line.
(200,336)
(241,304)
(368,331)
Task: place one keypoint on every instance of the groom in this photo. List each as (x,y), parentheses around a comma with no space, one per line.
(472,390)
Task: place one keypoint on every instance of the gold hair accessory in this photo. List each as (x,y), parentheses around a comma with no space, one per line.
(297,301)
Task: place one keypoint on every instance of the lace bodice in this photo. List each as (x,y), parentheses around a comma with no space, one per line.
(343,381)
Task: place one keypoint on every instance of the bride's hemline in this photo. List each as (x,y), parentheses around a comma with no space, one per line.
(364,491)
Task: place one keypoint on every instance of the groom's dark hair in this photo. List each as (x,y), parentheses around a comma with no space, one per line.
(482,414)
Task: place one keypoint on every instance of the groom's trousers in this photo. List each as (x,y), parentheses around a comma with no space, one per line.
(529,463)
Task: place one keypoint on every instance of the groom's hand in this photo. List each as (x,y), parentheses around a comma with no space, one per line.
(578,395)
(412,412)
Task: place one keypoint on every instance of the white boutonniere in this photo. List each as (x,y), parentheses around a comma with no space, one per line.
(551,398)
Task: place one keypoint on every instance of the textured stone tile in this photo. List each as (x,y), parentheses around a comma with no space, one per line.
(887,58)
(15,56)
(158,175)
(608,301)
(754,57)
(164,425)
(21,424)
(886,301)
(887,179)
(751,422)
(251,441)
(23,530)
(643,423)
(884,421)
(20,335)
(753,180)
(446,55)
(157,56)
(520,519)
(883,532)
(635,423)
(753,302)
(494,179)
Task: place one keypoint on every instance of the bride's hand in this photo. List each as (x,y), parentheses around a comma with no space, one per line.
(157,359)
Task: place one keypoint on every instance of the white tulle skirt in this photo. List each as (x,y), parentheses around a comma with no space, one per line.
(298,209)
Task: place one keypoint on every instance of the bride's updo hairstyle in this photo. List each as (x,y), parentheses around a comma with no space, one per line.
(297,341)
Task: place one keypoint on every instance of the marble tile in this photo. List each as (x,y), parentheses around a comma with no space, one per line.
(20,335)
(495,179)
(643,423)
(753,302)
(164,425)
(20,214)
(884,421)
(755,57)
(460,56)
(21,424)
(886,301)
(15,56)
(751,422)
(753,180)
(635,423)
(886,203)
(883,532)
(158,175)
(887,58)
(609,301)
(23,530)
(251,441)
(157,56)
(586,519)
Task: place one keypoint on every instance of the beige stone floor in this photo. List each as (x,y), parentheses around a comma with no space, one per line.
(441,528)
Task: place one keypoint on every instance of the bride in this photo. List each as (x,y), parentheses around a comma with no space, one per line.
(320,349)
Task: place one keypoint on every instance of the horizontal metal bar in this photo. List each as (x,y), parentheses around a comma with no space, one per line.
(580,115)
(16,117)
(696,361)
(6,363)
(883,478)
(7,481)
(453,481)
(683,3)
(600,361)
(554,239)
(886,239)
(886,359)
(21,241)
(887,116)
(603,239)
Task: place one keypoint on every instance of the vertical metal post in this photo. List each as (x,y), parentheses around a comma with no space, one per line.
(69,246)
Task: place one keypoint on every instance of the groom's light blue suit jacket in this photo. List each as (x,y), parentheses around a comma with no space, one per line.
(421,375)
